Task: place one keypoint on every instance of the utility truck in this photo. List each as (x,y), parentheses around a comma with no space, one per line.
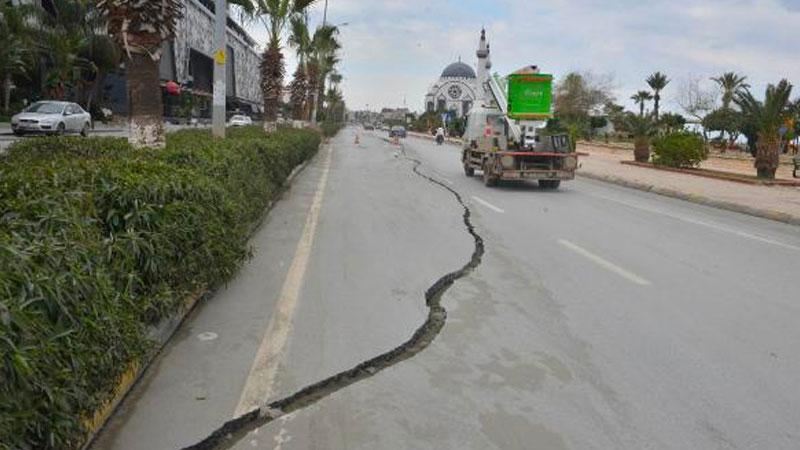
(505,136)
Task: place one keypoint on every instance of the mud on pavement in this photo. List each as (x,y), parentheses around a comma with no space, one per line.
(231,432)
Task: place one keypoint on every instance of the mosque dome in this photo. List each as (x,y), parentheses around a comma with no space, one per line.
(458,70)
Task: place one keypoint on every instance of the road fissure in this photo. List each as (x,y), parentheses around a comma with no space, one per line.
(234,430)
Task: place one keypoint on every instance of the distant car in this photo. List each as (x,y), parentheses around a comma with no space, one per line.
(240,121)
(369,127)
(397,131)
(52,117)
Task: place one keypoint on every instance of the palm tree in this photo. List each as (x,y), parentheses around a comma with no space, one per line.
(641,97)
(767,117)
(300,39)
(642,129)
(657,82)
(731,84)
(322,61)
(77,53)
(140,27)
(275,15)
(16,54)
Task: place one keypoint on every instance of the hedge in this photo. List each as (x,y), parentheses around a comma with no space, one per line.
(98,241)
(680,149)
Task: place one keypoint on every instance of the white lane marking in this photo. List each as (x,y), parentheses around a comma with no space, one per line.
(703,223)
(488,205)
(259,385)
(628,275)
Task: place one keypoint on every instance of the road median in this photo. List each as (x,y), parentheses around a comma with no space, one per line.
(105,250)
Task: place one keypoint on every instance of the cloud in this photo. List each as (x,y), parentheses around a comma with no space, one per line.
(396,49)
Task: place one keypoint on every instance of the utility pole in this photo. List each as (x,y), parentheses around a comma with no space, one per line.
(314,95)
(220,60)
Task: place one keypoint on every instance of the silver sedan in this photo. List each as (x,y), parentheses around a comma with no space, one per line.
(52,117)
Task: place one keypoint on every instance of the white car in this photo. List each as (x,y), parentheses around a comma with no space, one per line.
(52,117)
(240,121)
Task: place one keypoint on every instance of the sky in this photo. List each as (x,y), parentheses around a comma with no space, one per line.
(393,50)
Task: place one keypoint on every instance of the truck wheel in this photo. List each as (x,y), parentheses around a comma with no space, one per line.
(549,184)
(469,171)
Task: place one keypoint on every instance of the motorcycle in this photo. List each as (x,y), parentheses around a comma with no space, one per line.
(439,139)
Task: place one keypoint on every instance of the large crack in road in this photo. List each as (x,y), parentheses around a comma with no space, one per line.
(233,431)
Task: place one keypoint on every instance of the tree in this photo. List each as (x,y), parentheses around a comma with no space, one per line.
(616,114)
(640,98)
(767,117)
(642,129)
(300,40)
(726,121)
(694,100)
(275,15)
(16,53)
(731,84)
(78,54)
(140,27)
(672,122)
(321,62)
(657,82)
(578,96)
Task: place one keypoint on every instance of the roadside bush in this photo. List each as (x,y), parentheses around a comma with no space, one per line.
(98,241)
(330,129)
(679,149)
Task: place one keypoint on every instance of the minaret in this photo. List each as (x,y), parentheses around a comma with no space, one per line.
(483,64)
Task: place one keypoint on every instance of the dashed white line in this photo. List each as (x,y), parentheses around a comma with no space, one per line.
(703,223)
(488,205)
(628,275)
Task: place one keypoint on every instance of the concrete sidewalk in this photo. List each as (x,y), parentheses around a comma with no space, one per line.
(772,202)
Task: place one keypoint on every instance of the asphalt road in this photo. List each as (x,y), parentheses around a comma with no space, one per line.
(600,317)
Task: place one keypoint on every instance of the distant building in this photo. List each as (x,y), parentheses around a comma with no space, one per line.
(457,88)
(394,115)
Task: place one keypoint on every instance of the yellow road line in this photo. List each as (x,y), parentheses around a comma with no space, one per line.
(260,381)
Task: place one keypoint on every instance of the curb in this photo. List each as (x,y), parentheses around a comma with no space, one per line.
(698,199)
(164,330)
(717,175)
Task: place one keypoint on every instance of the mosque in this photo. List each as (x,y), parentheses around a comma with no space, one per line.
(459,86)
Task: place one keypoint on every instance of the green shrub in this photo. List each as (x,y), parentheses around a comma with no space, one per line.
(679,149)
(98,241)
(329,129)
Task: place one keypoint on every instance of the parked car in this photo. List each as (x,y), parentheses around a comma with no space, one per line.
(240,121)
(52,117)
(397,131)
(369,127)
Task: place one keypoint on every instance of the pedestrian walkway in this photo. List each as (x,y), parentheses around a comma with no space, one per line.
(779,203)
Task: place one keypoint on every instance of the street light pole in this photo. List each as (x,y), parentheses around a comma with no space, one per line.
(218,110)
(325,14)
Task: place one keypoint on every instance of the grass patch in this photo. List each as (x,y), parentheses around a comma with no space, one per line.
(98,241)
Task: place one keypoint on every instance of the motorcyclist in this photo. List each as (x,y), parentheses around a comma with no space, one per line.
(439,135)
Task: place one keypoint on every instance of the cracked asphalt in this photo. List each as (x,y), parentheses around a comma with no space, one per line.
(600,317)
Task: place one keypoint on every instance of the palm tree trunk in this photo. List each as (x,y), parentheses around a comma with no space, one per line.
(641,109)
(272,71)
(657,99)
(145,107)
(767,155)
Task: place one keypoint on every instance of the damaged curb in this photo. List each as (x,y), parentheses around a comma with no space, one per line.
(698,199)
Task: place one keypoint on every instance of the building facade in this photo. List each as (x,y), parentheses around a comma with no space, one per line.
(459,86)
(188,61)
